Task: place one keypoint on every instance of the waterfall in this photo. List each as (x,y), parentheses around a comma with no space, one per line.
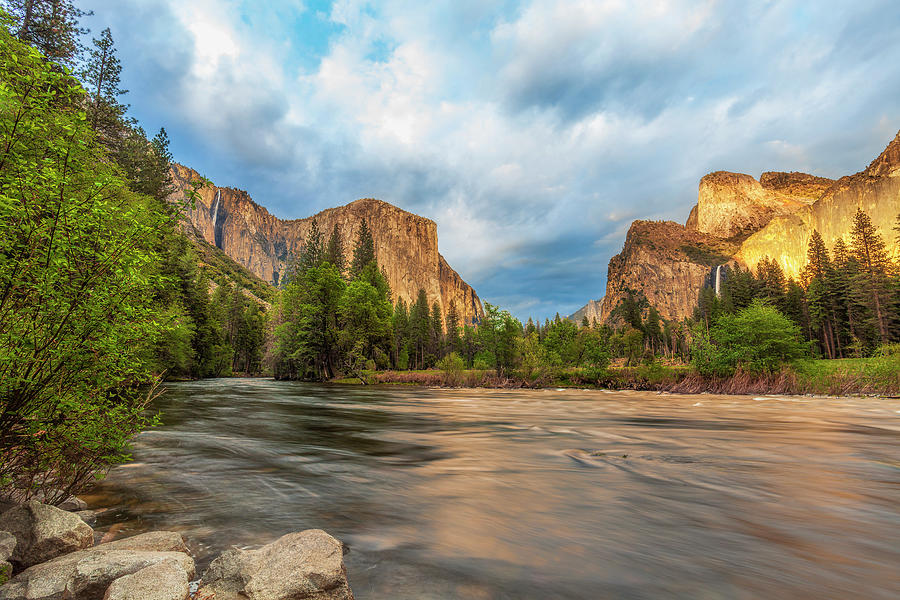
(217,229)
(718,281)
(215,209)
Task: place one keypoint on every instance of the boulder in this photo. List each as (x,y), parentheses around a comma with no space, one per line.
(44,532)
(88,516)
(92,576)
(155,541)
(73,504)
(163,581)
(7,544)
(86,574)
(308,564)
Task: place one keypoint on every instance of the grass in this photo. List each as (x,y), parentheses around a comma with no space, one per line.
(847,377)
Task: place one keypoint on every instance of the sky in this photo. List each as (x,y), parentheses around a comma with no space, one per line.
(532,132)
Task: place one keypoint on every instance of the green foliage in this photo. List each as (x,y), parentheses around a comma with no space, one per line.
(758,339)
(77,275)
(452,366)
(364,251)
(498,335)
(51,26)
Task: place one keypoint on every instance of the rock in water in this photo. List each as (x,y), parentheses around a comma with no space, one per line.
(87,574)
(44,532)
(308,564)
(163,581)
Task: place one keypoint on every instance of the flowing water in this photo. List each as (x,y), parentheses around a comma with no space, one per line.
(479,494)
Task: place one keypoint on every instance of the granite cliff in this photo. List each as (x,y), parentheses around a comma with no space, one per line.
(741,220)
(406,245)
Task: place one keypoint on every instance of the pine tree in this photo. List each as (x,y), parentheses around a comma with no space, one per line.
(652,329)
(452,323)
(401,334)
(51,26)
(334,250)
(818,277)
(313,253)
(102,77)
(364,251)
(872,285)
(437,331)
(419,325)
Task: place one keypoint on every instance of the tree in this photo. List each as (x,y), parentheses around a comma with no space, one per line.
(872,283)
(51,26)
(437,331)
(76,287)
(102,77)
(452,326)
(499,333)
(818,276)
(313,253)
(308,315)
(334,250)
(401,334)
(364,251)
(652,330)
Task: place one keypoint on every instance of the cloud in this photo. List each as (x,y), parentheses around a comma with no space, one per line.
(532,133)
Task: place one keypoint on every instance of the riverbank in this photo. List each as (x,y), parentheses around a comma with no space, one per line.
(879,376)
(47,553)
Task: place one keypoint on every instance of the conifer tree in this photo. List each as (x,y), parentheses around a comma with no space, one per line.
(437,331)
(313,253)
(652,329)
(400,324)
(872,285)
(452,323)
(364,251)
(51,26)
(334,250)
(102,77)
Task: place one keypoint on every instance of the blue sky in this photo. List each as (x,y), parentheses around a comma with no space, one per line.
(533,133)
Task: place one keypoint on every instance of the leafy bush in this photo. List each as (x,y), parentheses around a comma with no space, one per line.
(452,366)
(77,273)
(758,339)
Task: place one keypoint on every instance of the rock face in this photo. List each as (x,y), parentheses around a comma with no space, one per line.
(406,245)
(667,263)
(875,190)
(44,532)
(308,564)
(732,204)
(87,574)
(739,219)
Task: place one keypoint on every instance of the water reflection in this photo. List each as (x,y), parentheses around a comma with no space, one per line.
(532,494)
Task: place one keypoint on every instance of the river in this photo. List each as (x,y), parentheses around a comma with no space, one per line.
(490,494)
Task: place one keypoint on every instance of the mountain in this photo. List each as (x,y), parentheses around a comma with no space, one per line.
(406,245)
(741,220)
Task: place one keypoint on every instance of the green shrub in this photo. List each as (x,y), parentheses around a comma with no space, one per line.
(758,339)
(452,366)
(78,269)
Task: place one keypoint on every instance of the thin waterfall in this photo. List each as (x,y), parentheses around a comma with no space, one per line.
(718,281)
(215,216)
